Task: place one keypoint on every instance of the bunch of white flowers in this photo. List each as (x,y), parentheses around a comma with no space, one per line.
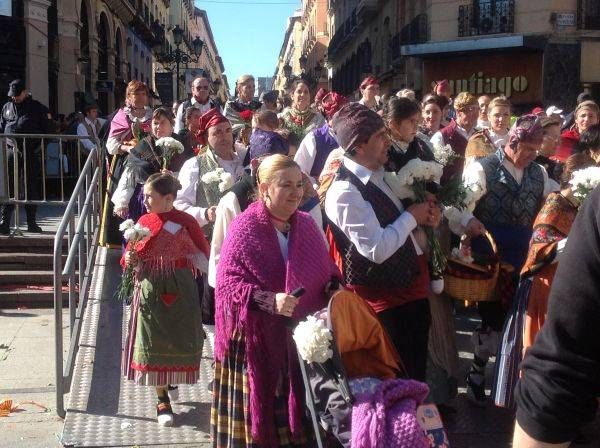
(133,232)
(444,154)
(313,340)
(169,147)
(585,181)
(219,175)
(417,170)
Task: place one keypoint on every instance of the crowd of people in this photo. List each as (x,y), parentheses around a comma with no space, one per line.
(257,202)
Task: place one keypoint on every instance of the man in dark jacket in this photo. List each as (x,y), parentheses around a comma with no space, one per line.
(561,371)
(23,115)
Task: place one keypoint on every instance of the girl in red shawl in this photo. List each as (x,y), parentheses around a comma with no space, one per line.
(270,250)
(165,337)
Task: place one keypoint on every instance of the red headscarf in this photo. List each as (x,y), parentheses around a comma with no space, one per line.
(321,93)
(209,119)
(331,103)
(369,81)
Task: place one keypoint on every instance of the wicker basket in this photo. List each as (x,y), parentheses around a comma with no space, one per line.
(474,289)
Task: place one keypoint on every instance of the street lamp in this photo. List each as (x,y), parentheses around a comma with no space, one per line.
(178,57)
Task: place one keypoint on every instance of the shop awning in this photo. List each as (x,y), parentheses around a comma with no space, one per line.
(465,45)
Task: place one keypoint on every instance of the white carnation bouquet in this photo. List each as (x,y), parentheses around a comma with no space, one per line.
(313,340)
(221,176)
(132,233)
(444,154)
(411,183)
(169,147)
(584,182)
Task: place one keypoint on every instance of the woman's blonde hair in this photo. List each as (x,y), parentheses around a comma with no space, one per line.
(499,101)
(589,104)
(269,166)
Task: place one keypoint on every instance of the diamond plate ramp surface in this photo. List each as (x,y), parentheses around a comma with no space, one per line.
(104,409)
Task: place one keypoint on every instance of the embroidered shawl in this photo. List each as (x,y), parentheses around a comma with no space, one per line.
(251,261)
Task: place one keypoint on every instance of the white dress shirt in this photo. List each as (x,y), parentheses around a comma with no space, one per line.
(82,131)
(437,139)
(499,140)
(189,177)
(346,208)
(179,118)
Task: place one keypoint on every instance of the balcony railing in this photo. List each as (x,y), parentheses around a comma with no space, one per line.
(343,34)
(415,32)
(486,17)
(588,16)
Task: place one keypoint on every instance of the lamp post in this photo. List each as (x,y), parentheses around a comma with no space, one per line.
(178,56)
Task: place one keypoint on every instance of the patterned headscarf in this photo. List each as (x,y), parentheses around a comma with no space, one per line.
(527,128)
(331,103)
(354,124)
(209,119)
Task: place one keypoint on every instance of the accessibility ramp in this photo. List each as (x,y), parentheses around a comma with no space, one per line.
(104,410)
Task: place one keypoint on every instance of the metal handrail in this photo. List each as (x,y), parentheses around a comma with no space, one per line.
(80,225)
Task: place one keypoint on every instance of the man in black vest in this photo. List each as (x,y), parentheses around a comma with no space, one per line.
(23,115)
(200,100)
(381,259)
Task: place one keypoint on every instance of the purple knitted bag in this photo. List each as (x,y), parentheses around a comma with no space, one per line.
(388,417)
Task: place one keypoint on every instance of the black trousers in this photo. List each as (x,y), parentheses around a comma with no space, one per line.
(408,328)
(33,172)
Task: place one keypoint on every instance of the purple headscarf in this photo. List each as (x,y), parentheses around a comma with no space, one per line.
(527,128)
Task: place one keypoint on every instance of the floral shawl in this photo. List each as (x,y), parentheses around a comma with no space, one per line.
(300,124)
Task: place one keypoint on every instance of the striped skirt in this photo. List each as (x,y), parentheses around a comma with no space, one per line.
(230,418)
(510,354)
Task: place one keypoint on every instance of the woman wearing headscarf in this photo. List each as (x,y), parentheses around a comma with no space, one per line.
(369,92)
(130,125)
(512,189)
(551,226)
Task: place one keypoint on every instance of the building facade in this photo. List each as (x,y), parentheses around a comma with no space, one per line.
(73,51)
(535,53)
(288,63)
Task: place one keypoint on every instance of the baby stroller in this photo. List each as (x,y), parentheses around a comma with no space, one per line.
(363,361)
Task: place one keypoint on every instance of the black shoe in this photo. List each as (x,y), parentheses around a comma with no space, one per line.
(5,228)
(476,388)
(34,228)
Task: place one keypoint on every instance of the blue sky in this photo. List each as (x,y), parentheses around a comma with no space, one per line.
(248,34)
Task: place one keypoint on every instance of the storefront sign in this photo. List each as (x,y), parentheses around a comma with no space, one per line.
(517,76)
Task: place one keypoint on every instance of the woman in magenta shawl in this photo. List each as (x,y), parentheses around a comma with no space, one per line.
(128,127)
(270,250)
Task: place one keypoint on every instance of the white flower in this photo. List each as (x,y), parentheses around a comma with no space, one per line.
(127,224)
(444,154)
(212,176)
(136,233)
(226,182)
(584,181)
(313,340)
(169,143)
(401,190)
(452,214)
(419,170)
(465,257)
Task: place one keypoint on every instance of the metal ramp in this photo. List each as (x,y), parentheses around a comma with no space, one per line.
(104,409)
